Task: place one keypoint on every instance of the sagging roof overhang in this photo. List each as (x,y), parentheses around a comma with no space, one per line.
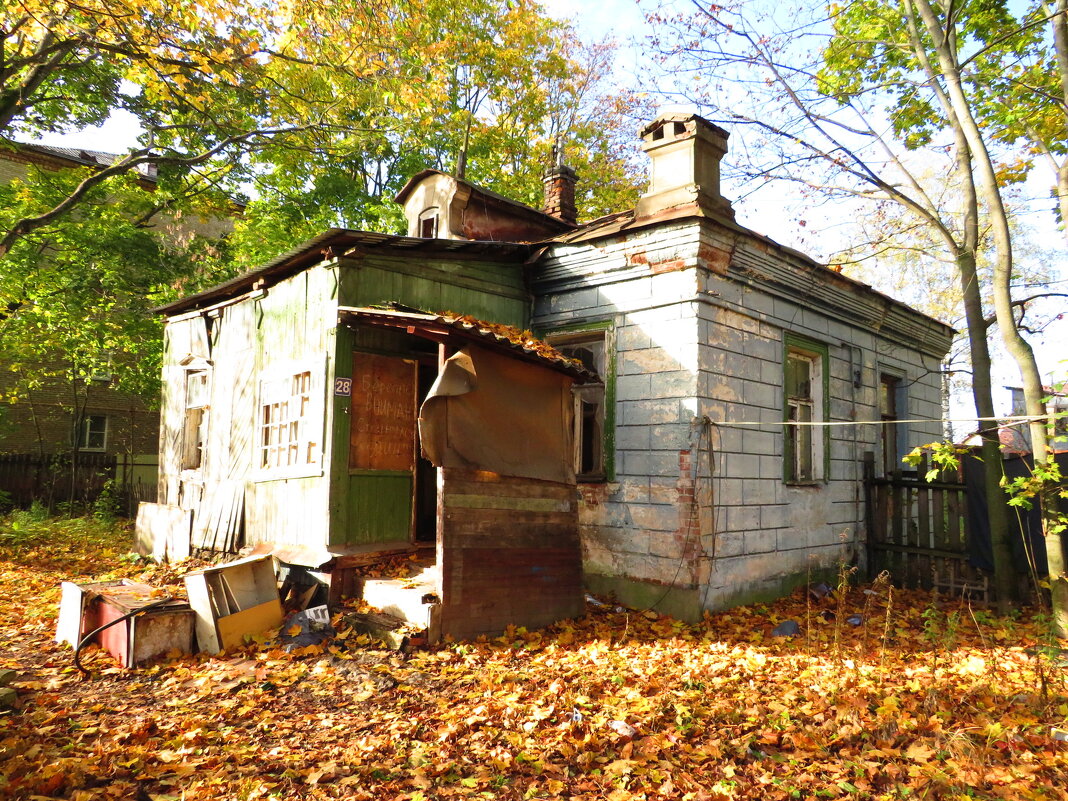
(335,243)
(460,331)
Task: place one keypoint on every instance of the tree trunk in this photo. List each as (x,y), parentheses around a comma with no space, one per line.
(1016,345)
(966,257)
(1005,585)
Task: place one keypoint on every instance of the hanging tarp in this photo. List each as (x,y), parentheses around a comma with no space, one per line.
(487,411)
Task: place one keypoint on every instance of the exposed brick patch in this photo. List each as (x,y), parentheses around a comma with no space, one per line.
(715,259)
(671,266)
(593,494)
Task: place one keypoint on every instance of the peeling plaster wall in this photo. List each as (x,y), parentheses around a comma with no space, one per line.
(699,313)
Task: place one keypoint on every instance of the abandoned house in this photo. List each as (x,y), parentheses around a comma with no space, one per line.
(693,439)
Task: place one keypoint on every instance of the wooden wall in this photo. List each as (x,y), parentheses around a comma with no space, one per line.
(364,507)
(488,290)
(288,328)
(291,325)
(508,553)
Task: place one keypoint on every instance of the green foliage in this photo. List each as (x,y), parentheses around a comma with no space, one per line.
(499,79)
(945,456)
(25,528)
(324,109)
(78,294)
(107,507)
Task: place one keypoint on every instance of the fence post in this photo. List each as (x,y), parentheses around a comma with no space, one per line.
(869,511)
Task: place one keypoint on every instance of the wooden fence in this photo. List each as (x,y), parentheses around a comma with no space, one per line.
(53,478)
(918,532)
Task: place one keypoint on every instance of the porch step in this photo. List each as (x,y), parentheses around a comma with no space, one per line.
(411,599)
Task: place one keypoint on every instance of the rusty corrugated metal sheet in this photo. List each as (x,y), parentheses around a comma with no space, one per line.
(464,329)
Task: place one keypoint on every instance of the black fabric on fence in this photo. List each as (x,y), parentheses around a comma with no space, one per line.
(1020,520)
(980,550)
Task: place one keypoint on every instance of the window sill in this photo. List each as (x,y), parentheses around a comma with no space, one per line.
(304,471)
(813,484)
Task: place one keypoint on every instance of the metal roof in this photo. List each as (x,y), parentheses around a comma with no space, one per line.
(456,330)
(90,158)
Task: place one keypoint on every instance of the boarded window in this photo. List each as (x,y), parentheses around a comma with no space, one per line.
(382,436)
(287,436)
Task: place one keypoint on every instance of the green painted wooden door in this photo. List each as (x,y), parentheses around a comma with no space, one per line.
(382,446)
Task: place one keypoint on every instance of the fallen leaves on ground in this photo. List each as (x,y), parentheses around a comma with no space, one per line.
(924,699)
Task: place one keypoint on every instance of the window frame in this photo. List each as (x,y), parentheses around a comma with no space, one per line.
(890,377)
(195,413)
(603,331)
(818,355)
(275,389)
(429,216)
(85,429)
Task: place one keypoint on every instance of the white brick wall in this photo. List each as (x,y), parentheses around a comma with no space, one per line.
(691,342)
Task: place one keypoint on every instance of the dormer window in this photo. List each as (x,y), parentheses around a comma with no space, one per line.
(428,224)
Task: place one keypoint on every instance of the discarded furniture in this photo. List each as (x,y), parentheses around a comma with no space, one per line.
(151,634)
(233,600)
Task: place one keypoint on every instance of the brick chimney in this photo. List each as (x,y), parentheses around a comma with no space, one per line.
(685,151)
(560,183)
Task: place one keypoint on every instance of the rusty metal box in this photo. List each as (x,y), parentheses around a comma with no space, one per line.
(153,633)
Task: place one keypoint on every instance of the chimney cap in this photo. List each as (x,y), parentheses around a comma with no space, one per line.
(687,124)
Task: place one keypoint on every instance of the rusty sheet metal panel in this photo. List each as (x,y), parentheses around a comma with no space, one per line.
(496,413)
(382,433)
(152,634)
(509,553)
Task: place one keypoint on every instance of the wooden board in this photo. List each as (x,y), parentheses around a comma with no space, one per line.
(254,620)
(383,406)
(224,597)
(69,625)
(162,531)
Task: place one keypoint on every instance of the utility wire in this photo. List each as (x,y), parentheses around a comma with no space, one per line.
(821,423)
